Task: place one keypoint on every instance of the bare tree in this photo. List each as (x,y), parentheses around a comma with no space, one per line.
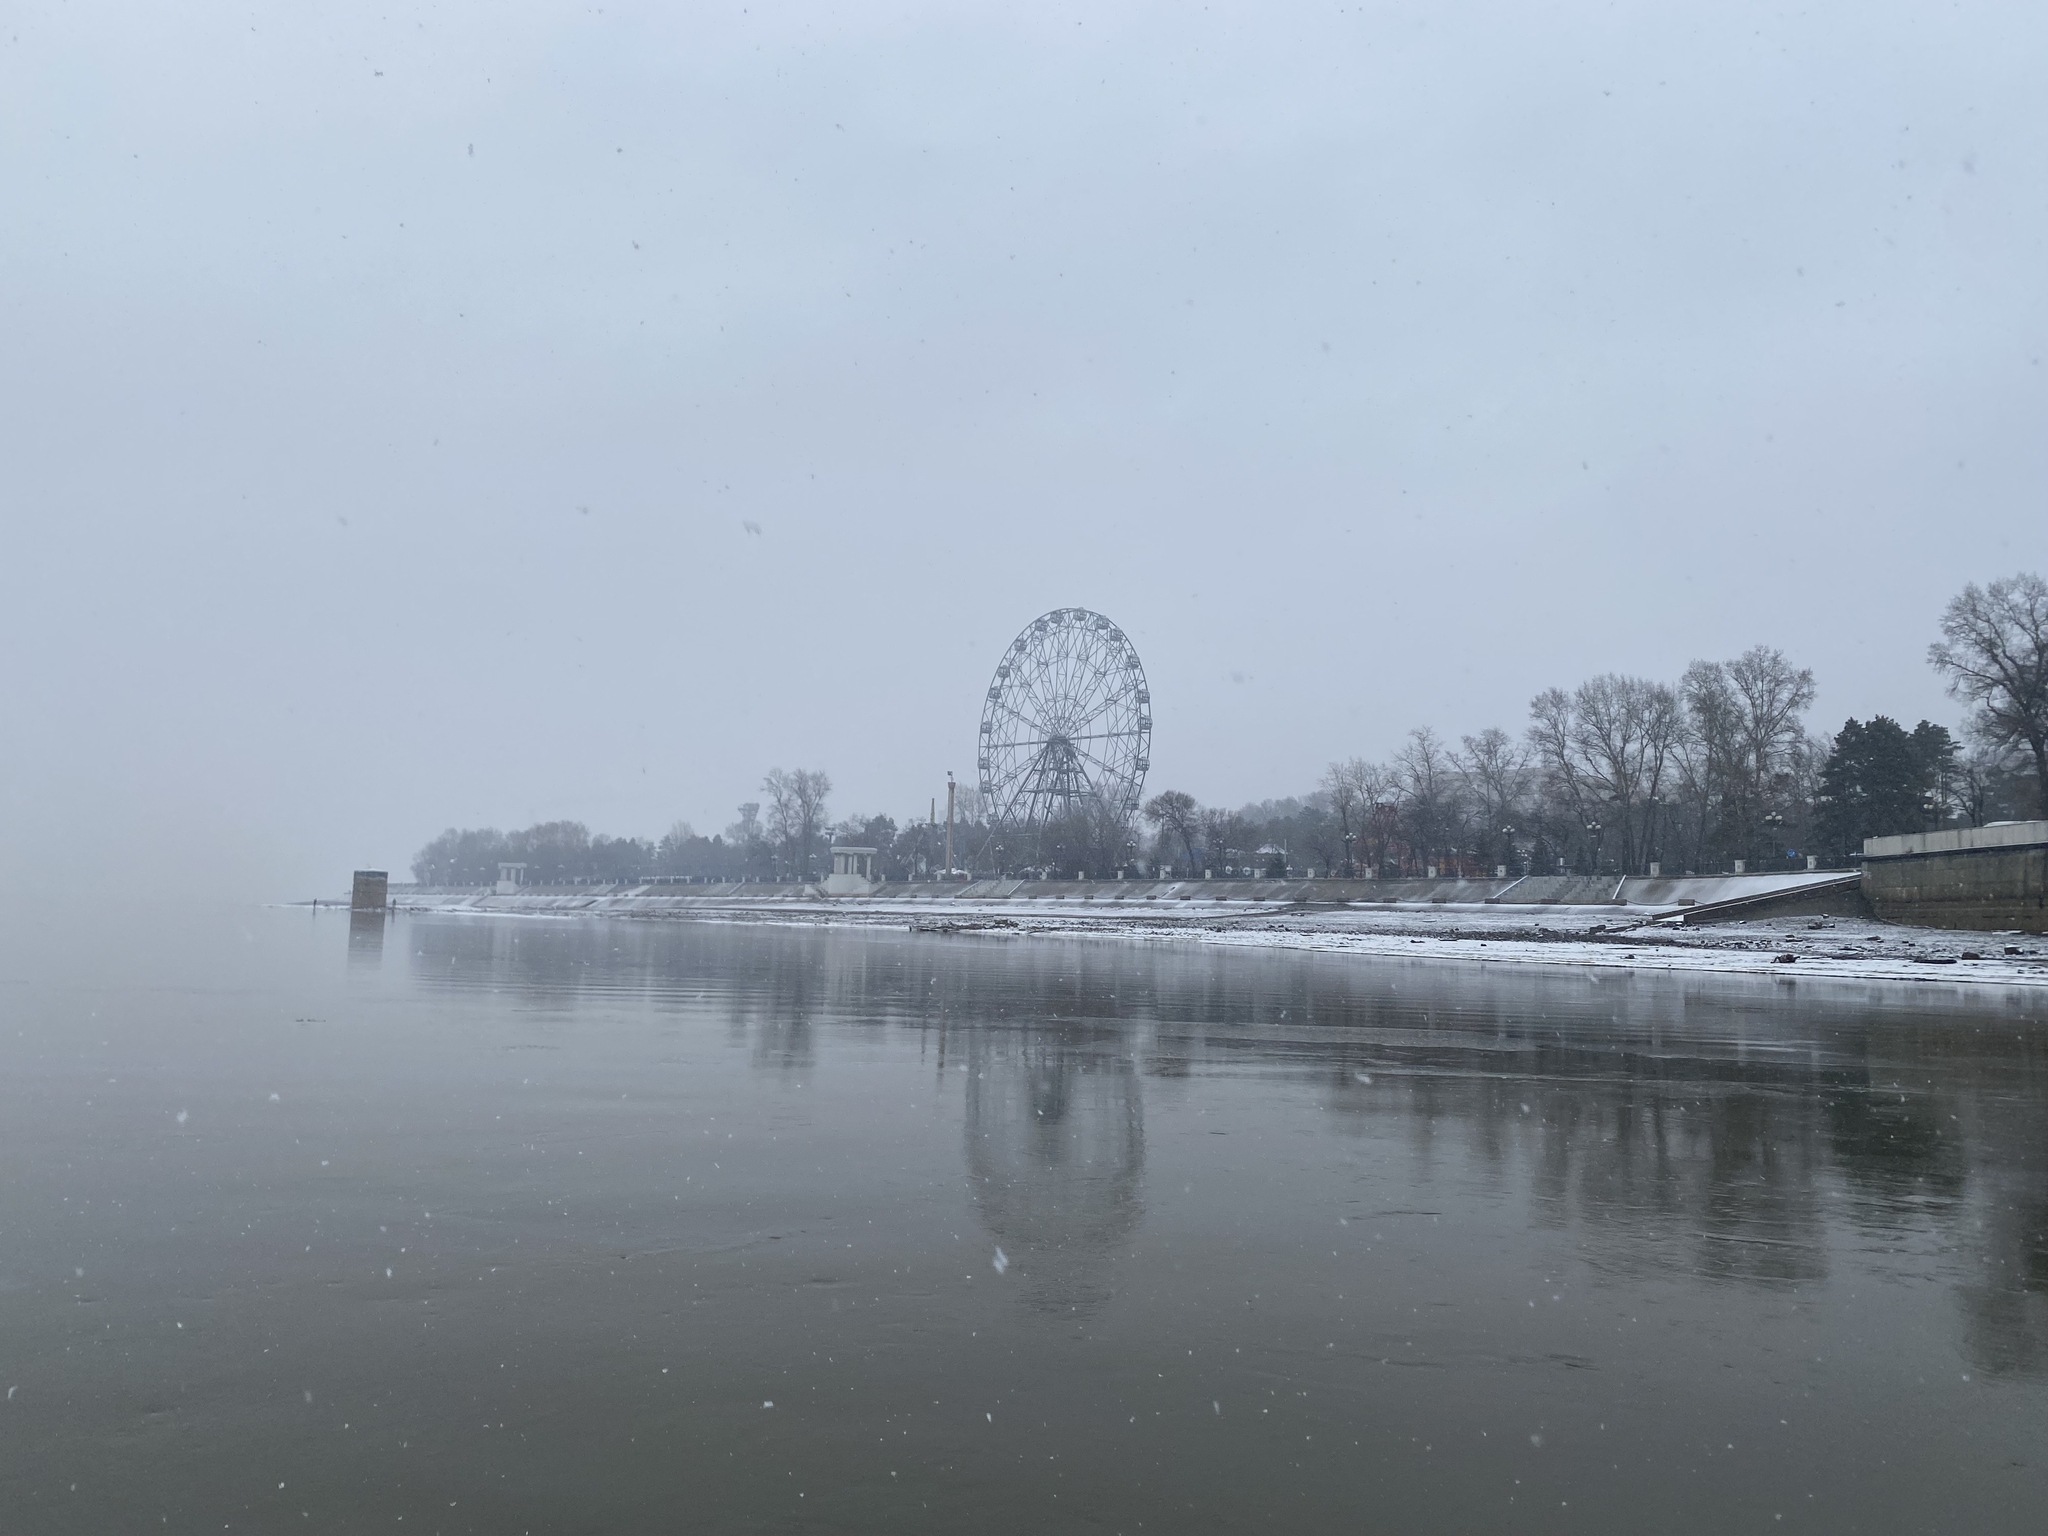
(1741,760)
(1379,796)
(796,812)
(1552,731)
(782,821)
(1495,768)
(1770,695)
(1345,786)
(1225,836)
(1708,754)
(813,786)
(1973,787)
(1627,728)
(1111,837)
(1994,653)
(1605,748)
(967,808)
(1174,813)
(1429,787)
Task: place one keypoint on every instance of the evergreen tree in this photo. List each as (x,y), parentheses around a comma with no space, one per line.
(1880,780)
(1938,759)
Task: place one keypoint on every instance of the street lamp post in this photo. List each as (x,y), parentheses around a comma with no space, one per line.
(1593,831)
(1350,869)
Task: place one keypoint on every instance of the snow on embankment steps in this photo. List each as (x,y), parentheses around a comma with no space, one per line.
(1695,896)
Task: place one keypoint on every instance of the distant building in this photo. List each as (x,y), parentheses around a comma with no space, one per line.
(510,878)
(853,872)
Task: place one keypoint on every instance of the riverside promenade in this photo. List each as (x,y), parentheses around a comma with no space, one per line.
(1675,896)
(1792,927)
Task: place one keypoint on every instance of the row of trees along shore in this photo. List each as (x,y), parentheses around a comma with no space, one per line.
(1611,777)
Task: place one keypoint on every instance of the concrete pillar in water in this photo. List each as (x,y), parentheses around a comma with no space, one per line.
(371,891)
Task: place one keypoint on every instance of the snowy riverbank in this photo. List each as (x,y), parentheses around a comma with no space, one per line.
(1606,936)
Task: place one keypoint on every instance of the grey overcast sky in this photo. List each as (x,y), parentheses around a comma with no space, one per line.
(386,391)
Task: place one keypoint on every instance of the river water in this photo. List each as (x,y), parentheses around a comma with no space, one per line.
(510,1225)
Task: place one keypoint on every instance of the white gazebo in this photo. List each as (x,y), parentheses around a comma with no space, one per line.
(853,872)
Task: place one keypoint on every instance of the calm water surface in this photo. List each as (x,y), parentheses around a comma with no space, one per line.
(502,1225)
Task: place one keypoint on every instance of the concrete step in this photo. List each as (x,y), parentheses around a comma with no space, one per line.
(1561,891)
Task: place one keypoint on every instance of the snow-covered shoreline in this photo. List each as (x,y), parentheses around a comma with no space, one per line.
(1842,948)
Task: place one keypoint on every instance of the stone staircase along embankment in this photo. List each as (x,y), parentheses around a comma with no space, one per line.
(1693,896)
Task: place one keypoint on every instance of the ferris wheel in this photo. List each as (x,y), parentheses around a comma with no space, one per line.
(1067,726)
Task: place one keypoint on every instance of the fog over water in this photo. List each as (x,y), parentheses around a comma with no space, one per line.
(483,414)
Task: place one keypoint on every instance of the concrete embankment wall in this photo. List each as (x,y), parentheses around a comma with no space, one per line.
(1984,878)
(657,899)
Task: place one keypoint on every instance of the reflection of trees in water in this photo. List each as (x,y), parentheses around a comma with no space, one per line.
(1706,1126)
(1679,1133)
(778,1013)
(772,994)
(2005,1307)
(1758,1189)
(1055,1136)
(1668,1167)
(1715,1127)
(2003,1221)
(541,963)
